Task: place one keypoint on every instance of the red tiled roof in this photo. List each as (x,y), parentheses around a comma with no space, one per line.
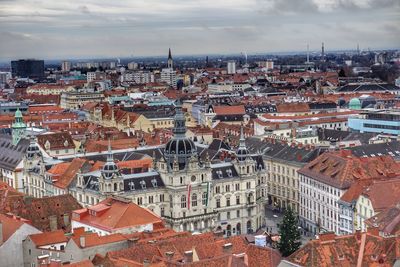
(65,179)
(390,189)
(345,251)
(62,140)
(85,263)
(48,238)
(93,239)
(39,211)
(119,215)
(229,110)
(10,224)
(292,107)
(341,169)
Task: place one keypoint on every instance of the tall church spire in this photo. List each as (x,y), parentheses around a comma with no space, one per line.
(170,60)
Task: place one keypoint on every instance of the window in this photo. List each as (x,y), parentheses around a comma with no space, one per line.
(217,190)
(238,213)
(204,199)
(139,201)
(151,200)
(218,202)
(183,201)
(237,187)
(194,200)
(227,188)
(228,215)
(248,185)
(228,201)
(162,198)
(162,211)
(237,200)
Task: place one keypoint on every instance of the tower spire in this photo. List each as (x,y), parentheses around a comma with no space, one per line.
(242,140)
(110,157)
(170,60)
(180,124)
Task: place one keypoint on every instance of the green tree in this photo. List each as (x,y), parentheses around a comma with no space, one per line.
(290,234)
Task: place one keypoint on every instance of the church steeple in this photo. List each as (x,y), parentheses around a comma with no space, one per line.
(170,60)
(180,149)
(18,127)
(242,152)
(110,168)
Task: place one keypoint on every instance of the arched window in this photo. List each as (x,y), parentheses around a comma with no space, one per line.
(194,200)
(183,201)
(115,187)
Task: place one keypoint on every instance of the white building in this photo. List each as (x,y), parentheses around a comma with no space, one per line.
(65,66)
(231,67)
(168,75)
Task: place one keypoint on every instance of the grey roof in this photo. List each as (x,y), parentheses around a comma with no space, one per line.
(10,155)
(367,87)
(373,150)
(223,171)
(282,151)
(143,181)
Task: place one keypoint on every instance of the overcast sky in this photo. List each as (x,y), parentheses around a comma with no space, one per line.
(61,29)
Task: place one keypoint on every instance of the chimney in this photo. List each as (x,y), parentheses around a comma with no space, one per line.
(1,233)
(189,256)
(53,222)
(146,262)
(227,248)
(82,241)
(169,255)
(326,237)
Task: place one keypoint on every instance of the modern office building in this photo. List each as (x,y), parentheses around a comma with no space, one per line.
(27,68)
(376,121)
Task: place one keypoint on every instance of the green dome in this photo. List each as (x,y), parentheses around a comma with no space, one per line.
(355,103)
(18,114)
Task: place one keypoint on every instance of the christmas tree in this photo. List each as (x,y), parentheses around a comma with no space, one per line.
(290,234)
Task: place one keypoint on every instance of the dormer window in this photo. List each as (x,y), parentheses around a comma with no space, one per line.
(219,173)
(154,182)
(229,172)
(143,184)
(131,185)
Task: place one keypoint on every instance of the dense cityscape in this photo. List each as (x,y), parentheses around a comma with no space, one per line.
(210,159)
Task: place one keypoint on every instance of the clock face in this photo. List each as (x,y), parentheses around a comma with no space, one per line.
(193,178)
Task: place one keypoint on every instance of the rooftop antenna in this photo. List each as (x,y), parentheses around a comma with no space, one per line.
(308,53)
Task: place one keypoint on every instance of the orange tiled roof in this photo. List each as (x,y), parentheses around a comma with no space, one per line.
(292,107)
(390,189)
(48,238)
(10,224)
(65,179)
(85,263)
(93,239)
(341,169)
(345,251)
(118,214)
(229,110)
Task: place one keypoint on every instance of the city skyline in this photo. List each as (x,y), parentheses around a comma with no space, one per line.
(148,28)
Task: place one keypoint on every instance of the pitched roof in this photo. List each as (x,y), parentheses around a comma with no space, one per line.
(112,214)
(48,238)
(11,155)
(387,221)
(341,169)
(292,107)
(94,239)
(390,189)
(65,179)
(40,211)
(208,250)
(345,251)
(62,140)
(229,110)
(10,224)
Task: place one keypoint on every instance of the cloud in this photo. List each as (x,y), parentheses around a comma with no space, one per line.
(62,29)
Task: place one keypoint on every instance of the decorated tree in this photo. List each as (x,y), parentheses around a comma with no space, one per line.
(289,232)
